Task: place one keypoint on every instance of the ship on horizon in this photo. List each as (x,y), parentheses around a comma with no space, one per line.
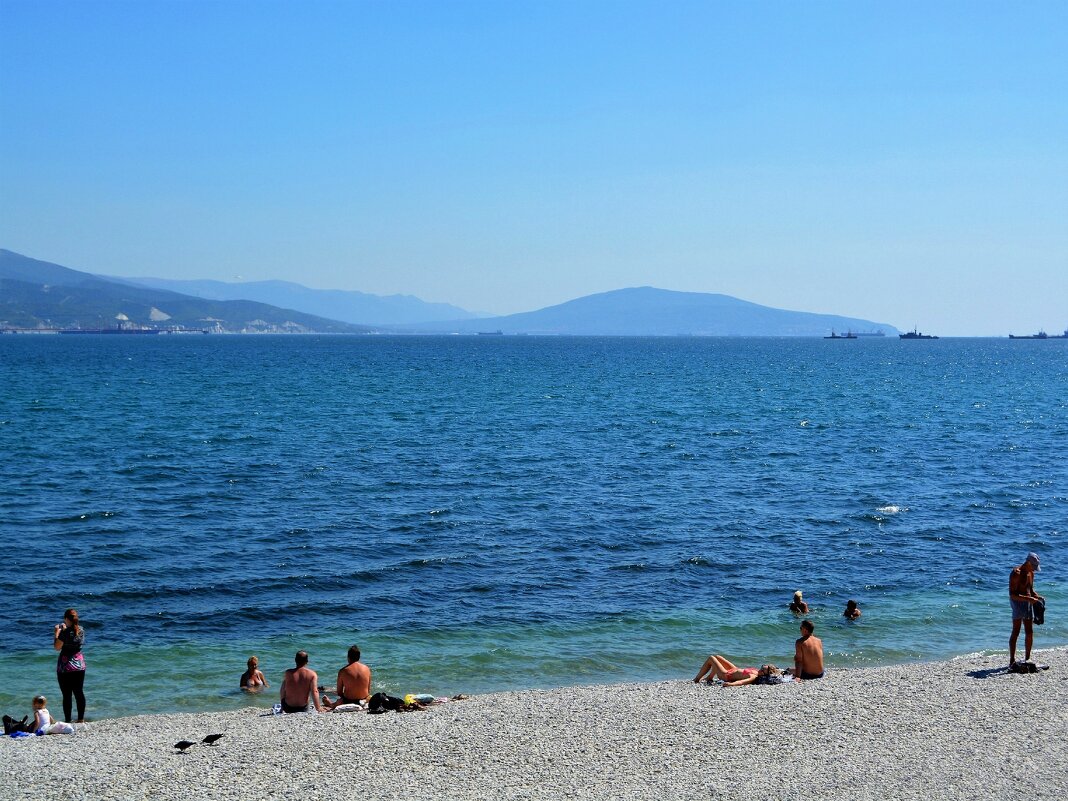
(1041,335)
(914,334)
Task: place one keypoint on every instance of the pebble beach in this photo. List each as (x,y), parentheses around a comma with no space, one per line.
(963,729)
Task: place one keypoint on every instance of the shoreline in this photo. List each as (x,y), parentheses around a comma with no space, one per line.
(947,729)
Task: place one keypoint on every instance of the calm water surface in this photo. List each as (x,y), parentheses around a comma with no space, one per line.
(486,513)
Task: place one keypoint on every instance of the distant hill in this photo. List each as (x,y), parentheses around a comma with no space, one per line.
(349,306)
(646,311)
(38,294)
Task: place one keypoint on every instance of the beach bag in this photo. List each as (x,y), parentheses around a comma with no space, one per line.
(11,725)
(380,702)
(1038,611)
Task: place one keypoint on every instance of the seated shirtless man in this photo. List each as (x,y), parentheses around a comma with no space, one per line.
(808,653)
(299,683)
(353,682)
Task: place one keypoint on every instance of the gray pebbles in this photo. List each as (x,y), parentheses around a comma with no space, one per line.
(960,729)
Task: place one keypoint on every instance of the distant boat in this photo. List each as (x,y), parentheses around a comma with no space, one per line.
(1041,335)
(497,333)
(914,334)
(846,335)
(879,333)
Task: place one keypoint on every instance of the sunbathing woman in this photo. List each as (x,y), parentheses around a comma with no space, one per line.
(718,667)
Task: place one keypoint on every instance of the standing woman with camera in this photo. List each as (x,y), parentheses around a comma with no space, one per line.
(70,668)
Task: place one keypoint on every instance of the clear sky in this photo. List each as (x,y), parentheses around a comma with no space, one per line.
(903,162)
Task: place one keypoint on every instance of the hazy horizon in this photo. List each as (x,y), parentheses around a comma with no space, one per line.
(903,163)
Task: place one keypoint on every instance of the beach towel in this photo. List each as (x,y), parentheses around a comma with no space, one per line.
(59,727)
(349,708)
(780,679)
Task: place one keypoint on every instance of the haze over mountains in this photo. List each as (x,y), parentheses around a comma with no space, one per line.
(647,311)
(360,308)
(35,294)
(39,294)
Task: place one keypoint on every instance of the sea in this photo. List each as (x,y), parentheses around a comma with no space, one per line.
(491,513)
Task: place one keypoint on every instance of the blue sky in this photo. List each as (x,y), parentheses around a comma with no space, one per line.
(903,162)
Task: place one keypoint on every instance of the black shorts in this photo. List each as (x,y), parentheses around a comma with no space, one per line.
(290,709)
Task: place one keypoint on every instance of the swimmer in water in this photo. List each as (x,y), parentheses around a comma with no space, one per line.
(798,605)
(253,680)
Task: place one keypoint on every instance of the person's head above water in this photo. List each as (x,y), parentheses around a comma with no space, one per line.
(253,663)
(807,627)
(354,653)
(797,595)
(851,604)
(301,658)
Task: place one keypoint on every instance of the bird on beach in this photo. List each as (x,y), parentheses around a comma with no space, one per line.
(211,739)
(181,745)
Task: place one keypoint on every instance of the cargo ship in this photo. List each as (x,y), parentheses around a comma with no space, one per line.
(1041,335)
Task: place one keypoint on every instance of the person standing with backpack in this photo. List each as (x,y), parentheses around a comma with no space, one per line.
(1022,597)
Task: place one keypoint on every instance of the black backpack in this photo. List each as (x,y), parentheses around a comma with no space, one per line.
(380,702)
(11,725)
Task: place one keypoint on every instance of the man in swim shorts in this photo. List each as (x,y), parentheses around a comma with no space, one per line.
(808,653)
(300,682)
(1022,597)
(353,682)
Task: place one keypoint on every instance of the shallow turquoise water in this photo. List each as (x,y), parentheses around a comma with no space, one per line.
(494,513)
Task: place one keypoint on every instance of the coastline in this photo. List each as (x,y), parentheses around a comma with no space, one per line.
(964,728)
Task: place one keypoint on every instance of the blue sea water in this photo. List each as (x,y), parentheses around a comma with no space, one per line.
(482,513)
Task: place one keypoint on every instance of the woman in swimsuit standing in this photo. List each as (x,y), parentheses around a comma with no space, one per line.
(719,667)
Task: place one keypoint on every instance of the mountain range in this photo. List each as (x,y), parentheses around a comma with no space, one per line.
(360,308)
(648,311)
(37,294)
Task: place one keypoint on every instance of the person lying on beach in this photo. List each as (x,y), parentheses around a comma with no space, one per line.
(44,723)
(808,653)
(852,611)
(253,680)
(353,682)
(719,667)
(798,605)
(299,683)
